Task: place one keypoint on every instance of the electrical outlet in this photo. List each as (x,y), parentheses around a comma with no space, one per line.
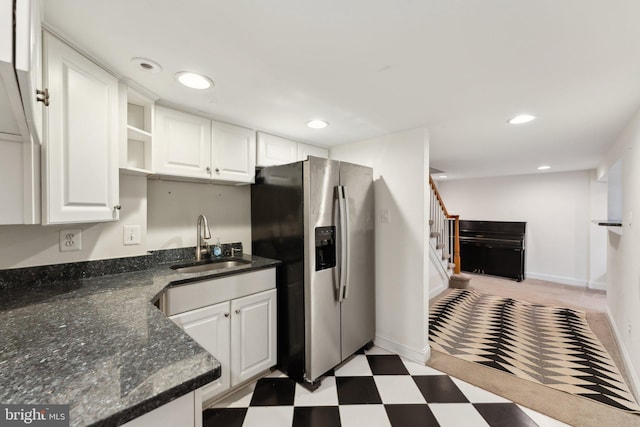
(70,240)
(131,235)
(629,327)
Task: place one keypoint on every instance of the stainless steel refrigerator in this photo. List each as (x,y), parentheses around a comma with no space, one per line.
(317,217)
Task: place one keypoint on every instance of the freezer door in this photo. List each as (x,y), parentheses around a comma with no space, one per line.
(358,306)
(322,309)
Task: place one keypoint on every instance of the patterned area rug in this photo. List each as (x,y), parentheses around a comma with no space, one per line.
(552,346)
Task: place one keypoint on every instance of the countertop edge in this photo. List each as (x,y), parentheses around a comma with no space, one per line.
(158,400)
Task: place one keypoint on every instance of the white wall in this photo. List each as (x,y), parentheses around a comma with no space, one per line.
(400,164)
(558,210)
(174,208)
(31,245)
(623,287)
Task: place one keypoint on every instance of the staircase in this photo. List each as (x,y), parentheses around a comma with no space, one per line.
(444,240)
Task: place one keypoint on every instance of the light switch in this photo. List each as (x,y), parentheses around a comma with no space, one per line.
(131,235)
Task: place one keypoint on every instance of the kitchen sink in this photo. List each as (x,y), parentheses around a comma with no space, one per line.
(209,265)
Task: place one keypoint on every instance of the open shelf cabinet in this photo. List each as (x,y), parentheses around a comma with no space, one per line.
(137,132)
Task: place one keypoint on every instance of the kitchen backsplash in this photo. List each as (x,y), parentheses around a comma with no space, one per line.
(46,274)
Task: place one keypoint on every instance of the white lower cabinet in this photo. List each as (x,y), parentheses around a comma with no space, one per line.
(180,412)
(253,335)
(240,333)
(211,328)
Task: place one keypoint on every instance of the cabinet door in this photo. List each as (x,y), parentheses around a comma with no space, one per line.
(253,335)
(274,150)
(29,62)
(80,165)
(13,126)
(233,153)
(305,150)
(182,144)
(210,327)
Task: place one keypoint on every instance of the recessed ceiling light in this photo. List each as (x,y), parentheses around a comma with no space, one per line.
(317,124)
(442,176)
(522,118)
(147,65)
(194,80)
(544,167)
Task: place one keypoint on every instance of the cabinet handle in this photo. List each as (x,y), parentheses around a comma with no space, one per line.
(238,311)
(43,96)
(226,315)
(217,170)
(117,207)
(208,170)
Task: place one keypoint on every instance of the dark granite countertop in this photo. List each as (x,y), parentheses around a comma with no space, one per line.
(100,345)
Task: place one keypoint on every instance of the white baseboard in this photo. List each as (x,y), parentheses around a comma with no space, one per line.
(628,363)
(433,292)
(417,355)
(599,286)
(563,280)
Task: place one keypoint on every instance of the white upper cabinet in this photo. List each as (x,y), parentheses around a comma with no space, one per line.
(275,150)
(80,151)
(13,124)
(305,150)
(182,144)
(29,64)
(19,182)
(19,153)
(136,132)
(233,153)
(20,71)
(191,147)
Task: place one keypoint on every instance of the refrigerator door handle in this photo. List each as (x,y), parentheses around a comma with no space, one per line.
(345,252)
(347,234)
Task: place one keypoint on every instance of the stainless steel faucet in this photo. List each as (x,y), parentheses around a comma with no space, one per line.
(201,246)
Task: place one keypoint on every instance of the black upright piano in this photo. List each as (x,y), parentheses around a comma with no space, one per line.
(493,247)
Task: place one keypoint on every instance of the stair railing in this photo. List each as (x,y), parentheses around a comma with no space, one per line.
(446,226)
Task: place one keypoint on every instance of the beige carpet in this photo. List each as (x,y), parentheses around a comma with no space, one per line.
(574,410)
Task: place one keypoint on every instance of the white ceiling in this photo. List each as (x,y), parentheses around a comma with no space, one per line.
(461,68)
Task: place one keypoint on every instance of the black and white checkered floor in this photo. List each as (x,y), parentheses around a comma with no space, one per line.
(373,389)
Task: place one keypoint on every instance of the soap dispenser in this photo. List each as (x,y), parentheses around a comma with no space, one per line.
(217,249)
